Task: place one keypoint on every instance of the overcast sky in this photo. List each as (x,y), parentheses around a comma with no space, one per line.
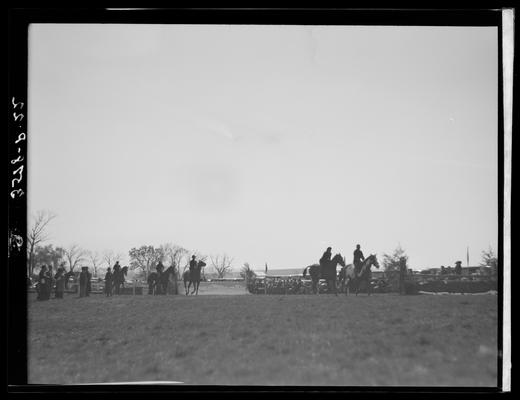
(268,143)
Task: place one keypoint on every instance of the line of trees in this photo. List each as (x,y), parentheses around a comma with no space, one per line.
(143,259)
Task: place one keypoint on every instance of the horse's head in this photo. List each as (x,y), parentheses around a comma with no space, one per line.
(338,259)
(201,264)
(124,270)
(372,259)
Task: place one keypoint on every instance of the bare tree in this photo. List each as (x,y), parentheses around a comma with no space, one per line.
(221,264)
(109,258)
(174,254)
(144,258)
(37,235)
(95,260)
(74,255)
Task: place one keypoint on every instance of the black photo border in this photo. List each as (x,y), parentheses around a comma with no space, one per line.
(19,20)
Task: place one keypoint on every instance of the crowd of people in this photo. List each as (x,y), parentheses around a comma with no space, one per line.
(47,283)
(59,282)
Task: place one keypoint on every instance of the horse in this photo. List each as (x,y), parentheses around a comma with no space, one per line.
(349,276)
(193,276)
(327,272)
(158,281)
(119,279)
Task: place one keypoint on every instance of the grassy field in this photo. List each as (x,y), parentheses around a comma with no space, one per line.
(265,340)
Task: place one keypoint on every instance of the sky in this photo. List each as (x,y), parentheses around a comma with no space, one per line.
(266,143)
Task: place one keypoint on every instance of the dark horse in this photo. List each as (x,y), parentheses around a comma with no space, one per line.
(327,272)
(158,281)
(118,279)
(193,276)
(349,277)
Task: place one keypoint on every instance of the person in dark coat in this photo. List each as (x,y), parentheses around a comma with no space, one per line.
(193,263)
(358,259)
(159,286)
(108,282)
(60,283)
(41,286)
(458,268)
(83,282)
(50,281)
(116,278)
(327,255)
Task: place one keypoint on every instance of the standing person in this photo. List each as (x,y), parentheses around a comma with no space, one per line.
(108,283)
(60,283)
(83,282)
(358,259)
(159,287)
(41,286)
(458,268)
(50,281)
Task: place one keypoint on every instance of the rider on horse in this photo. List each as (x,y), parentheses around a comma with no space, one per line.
(193,264)
(325,258)
(358,259)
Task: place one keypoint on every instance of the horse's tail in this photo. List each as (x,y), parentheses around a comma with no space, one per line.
(305,272)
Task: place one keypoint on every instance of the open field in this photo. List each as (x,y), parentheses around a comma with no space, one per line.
(265,340)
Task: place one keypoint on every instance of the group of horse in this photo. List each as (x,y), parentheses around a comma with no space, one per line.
(160,281)
(118,279)
(348,278)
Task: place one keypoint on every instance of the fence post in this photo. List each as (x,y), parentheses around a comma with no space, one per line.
(265,285)
(135,283)
(285,286)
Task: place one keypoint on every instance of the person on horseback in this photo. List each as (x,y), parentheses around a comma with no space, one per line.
(358,259)
(193,264)
(326,257)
